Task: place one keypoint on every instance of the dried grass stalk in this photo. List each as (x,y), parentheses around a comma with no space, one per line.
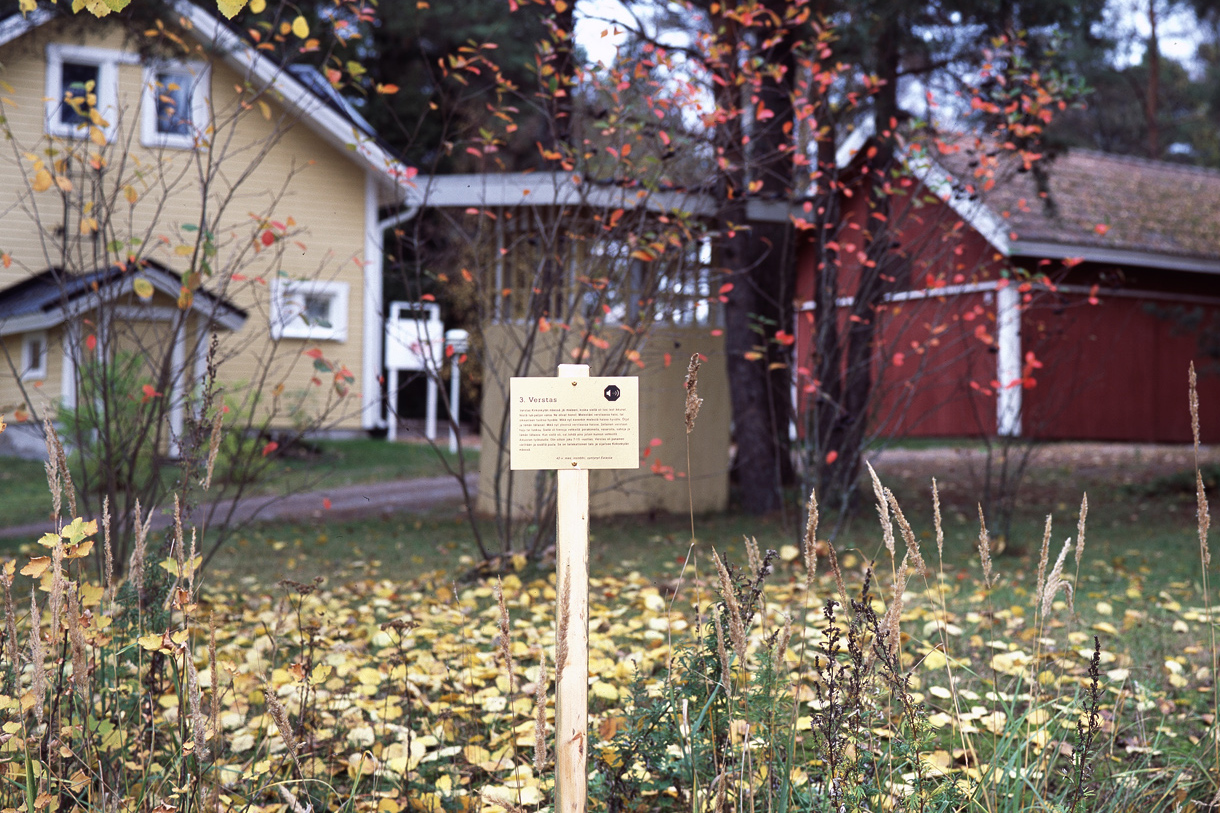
(1055,582)
(505,649)
(883,511)
(1043,559)
(61,461)
(723,651)
(781,647)
(58,582)
(135,566)
(1084,512)
(890,626)
(107,550)
(752,555)
(737,628)
(199,723)
(561,635)
(38,657)
(540,687)
(810,545)
(10,618)
(213,447)
(936,520)
(77,645)
(693,401)
(1202,512)
(280,716)
(838,571)
(214,711)
(984,548)
(908,535)
(51,466)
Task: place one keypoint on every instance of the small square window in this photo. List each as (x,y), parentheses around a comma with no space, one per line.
(309,310)
(81,89)
(175,106)
(80,85)
(34,356)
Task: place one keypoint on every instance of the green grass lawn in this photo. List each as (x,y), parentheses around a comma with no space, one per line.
(394,662)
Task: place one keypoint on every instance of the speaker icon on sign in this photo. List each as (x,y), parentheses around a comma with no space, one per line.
(612,393)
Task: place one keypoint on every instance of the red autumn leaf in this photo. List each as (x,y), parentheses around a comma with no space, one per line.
(326,503)
(899,358)
(314,353)
(91,342)
(149,393)
(668,359)
(270,447)
(268,237)
(428,298)
(831,457)
(784,338)
(1101,229)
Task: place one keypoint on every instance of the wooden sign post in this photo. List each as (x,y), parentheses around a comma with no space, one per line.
(573,423)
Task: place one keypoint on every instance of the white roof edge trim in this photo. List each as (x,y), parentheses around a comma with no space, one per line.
(547,189)
(335,129)
(1118,256)
(15,26)
(975,213)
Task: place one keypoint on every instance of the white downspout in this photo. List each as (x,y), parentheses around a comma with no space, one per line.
(177,393)
(1008,361)
(373,305)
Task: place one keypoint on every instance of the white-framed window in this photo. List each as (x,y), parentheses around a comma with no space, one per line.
(174,106)
(309,310)
(34,355)
(82,79)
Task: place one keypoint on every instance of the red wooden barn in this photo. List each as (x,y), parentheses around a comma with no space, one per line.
(970,345)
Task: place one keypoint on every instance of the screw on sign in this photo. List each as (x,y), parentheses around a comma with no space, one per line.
(573,423)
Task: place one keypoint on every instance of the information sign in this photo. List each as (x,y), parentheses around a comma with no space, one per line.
(575,423)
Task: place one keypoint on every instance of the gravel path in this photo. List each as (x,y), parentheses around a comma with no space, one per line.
(345,502)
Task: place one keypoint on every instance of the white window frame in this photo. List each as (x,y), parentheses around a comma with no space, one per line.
(201,91)
(28,370)
(286,319)
(107,61)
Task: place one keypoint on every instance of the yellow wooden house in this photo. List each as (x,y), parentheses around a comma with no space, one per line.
(167,189)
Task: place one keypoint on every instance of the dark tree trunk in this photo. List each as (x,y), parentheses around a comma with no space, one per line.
(760,257)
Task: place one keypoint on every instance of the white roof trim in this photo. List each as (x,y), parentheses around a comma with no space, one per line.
(547,189)
(974,212)
(18,24)
(1118,256)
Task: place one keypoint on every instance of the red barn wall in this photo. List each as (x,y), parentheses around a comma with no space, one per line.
(1115,371)
(1111,371)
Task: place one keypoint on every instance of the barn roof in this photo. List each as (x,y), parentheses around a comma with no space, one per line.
(1097,202)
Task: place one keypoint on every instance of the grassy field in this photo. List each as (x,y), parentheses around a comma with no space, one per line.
(356,666)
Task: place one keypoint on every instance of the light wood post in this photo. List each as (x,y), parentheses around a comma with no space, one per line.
(572,633)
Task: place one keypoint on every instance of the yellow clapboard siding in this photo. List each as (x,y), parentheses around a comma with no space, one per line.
(298,176)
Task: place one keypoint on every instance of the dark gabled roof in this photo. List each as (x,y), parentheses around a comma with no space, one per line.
(47,298)
(1103,201)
